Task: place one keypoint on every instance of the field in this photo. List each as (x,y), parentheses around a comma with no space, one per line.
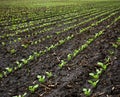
(59,48)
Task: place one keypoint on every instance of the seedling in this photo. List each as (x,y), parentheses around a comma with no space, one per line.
(95,76)
(1,75)
(9,69)
(5,73)
(36,54)
(75,52)
(83,47)
(49,74)
(107,59)
(31,57)
(19,39)
(111,52)
(3,43)
(24,45)
(103,66)
(69,57)
(93,83)
(12,51)
(86,91)
(118,40)
(19,64)
(98,71)
(24,61)
(61,41)
(62,63)
(33,88)
(41,78)
(115,45)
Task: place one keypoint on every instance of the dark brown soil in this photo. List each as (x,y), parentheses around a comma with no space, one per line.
(68,81)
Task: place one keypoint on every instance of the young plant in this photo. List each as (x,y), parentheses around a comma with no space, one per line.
(94,75)
(118,40)
(33,88)
(3,43)
(61,41)
(86,91)
(41,78)
(107,59)
(49,74)
(103,66)
(1,75)
(75,52)
(98,71)
(83,47)
(115,45)
(93,83)
(36,54)
(9,69)
(24,45)
(19,64)
(62,63)
(69,57)
(12,51)
(111,52)
(31,57)
(5,73)
(24,61)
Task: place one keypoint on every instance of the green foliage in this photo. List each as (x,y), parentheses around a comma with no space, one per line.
(62,63)
(9,69)
(33,88)
(1,75)
(41,78)
(86,91)
(49,74)
(24,61)
(93,83)
(103,66)
(69,57)
(94,75)
(12,51)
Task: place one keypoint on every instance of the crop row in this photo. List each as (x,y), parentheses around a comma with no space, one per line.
(44,21)
(41,78)
(34,42)
(53,46)
(31,28)
(66,29)
(44,30)
(25,16)
(22,17)
(95,77)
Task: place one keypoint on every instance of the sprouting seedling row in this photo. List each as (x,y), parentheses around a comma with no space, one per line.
(60,42)
(45,24)
(36,33)
(71,27)
(41,79)
(12,51)
(17,32)
(33,17)
(36,22)
(75,52)
(64,30)
(95,76)
(102,68)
